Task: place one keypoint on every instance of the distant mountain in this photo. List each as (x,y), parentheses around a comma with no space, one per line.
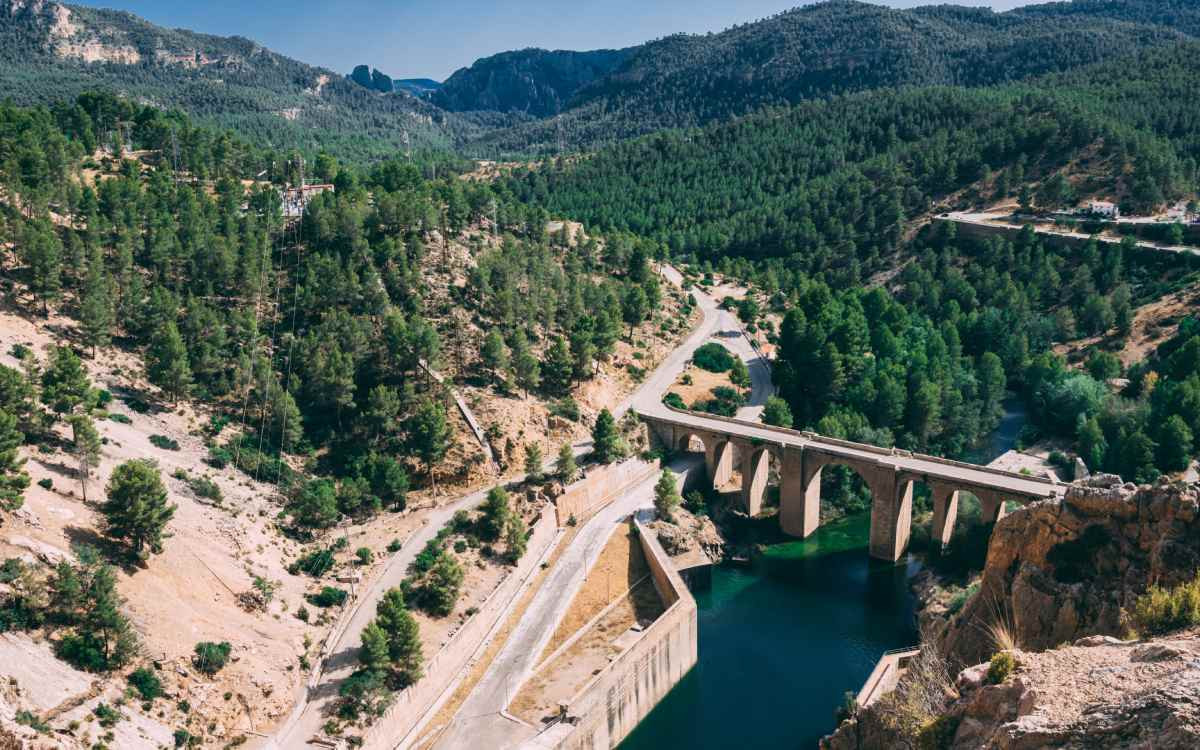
(536,82)
(50,52)
(417,86)
(832,48)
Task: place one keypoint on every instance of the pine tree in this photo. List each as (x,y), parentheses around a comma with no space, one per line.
(606,440)
(86,444)
(494,354)
(739,374)
(136,512)
(526,366)
(443,585)
(515,540)
(374,653)
(558,369)
(96,312)
(167,362)
(429,435)
(403,636)
(533,462)
(666,496)
(566,466)
(65,384)
(634,306)
(777,413)
(13,480)
(43,255)
(496,513)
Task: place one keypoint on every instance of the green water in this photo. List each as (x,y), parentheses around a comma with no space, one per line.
(781,643)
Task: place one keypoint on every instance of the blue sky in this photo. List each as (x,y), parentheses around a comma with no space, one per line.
(433,38)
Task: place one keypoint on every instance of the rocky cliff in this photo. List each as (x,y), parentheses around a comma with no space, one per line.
(1061,570)
(1058,577)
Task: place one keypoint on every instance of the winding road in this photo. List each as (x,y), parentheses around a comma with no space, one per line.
(482,722)
(481,713)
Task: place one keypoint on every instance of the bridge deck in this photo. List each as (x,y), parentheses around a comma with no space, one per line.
(912,463)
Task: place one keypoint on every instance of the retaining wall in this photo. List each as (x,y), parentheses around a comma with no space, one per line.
(599,487)
(608,708)
(461,650)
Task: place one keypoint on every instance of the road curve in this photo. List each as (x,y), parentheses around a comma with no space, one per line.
(481,722)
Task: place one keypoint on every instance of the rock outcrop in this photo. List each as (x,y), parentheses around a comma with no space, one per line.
(1063,569)
(1058,576)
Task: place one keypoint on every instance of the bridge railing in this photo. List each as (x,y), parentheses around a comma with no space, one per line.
(809,436)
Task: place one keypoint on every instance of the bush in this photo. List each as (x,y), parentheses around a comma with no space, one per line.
(675,401)
(695,504)
(364,555)
(316,563)
(328,597)
(1002,666)
(210,657)
(1161,610)
(219,457)
(565,408)
(146,683)
(960,598)
(393,546)
(46,483)
(938,734)
(106,714)
(119,418)
(713,357)
(205,488)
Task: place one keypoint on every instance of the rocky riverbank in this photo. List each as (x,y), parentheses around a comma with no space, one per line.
(1059,576)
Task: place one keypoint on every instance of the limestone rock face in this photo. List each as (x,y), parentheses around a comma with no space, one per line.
(1061,570)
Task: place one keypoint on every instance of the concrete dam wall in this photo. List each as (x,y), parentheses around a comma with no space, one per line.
(610,706)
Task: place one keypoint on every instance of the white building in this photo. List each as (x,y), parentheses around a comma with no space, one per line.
(1106,209)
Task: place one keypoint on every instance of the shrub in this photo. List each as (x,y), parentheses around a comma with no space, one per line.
(1002,666)
(675,401)
(46,483)
(566,408)
(119,418)
(205,488)
(19,351)
(713,357)
(182,737)
(393,546)
(106,714)
(210,657)
(328,596)
(460,546)
(960,598)
(30,719)
(695,504)
(1162,610)
(938,734)
(316,563)
(146,683)
(364,555)
(219,457)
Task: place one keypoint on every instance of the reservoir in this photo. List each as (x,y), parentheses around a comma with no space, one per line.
(781,643)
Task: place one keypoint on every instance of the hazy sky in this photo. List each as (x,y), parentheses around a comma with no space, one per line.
(433,38)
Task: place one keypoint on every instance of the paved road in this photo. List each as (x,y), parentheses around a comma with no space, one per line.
(480,721)
(1003,221)
(306,721)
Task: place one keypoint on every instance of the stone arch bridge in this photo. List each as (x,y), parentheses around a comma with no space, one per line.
(799,458)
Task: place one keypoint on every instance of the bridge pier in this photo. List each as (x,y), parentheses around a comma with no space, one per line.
(891,515)
(799,501)
(755,463)
(945,513)
(991,507)
(722,463)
